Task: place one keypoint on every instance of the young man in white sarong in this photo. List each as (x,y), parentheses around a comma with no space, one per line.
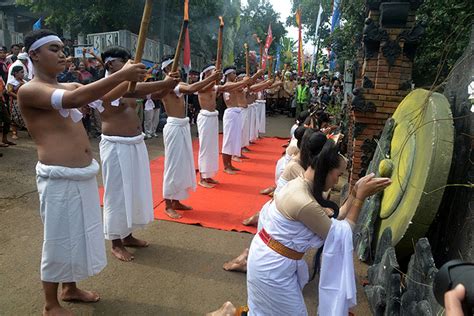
(179,175)
(232,120)
(208,127)
(73,246)
(128,201)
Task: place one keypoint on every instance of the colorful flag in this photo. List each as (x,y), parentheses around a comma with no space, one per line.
(335,22)
(316,37)
(300,43)
(37,24)
(277,66)
(187,52)
(268,42)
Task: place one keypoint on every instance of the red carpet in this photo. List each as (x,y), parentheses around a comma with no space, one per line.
(235,198)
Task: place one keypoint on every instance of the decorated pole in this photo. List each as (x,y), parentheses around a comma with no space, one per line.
(142,37)
(219,46)
(259,42)
(179,46)
(270,66)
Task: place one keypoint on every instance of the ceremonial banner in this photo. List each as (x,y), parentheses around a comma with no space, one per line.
(268,42)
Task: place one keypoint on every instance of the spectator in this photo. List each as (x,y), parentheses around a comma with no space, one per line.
(289,88)
(18,74)
(152,116)
(21,61)
(4,116)
(314,91)
(70,74)
(3,65)
(302,96)
(14,51)
(84,75)
(193,101)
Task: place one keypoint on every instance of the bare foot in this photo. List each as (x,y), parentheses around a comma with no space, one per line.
(206,184)
(238,264)
(245,150)
(229,171)
(133,242)
(267,190)
(177,205)
(172,213)
(122,254)
(212,181)
(234,168)
(242,156)
(252,220)
(236,159)
(227,309)
(78,295)
(56,311)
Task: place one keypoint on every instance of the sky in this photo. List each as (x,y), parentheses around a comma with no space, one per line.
(283,7)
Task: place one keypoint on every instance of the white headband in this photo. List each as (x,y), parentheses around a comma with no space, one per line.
(109,59)
(43,41)
(229,71)
(211,67)
(166,63)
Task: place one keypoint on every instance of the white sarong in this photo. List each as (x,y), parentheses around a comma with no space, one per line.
(73,244)
(232,131)
(208,129)
(128,200)
(262,116)
(275,283)
(245,140)
(253,131)
(179,175)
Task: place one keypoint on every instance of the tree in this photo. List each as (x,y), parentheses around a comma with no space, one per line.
(446,36)
(254,19)
(288,50)
(89,16)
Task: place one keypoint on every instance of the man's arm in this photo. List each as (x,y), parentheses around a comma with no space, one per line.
(142,89)
(232,86)
(257,75)
(39,95)
(195,87)
(267,84)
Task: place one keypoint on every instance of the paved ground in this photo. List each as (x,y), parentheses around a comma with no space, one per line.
(179,274)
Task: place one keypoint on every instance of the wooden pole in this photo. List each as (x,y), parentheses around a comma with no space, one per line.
(270,66)
(142,37)
(247,65)
(219,44)
(179,46)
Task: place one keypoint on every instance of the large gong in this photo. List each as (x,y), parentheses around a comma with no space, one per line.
(417,159)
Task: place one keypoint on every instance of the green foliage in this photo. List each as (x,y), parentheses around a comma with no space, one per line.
(446,37)
(254,19)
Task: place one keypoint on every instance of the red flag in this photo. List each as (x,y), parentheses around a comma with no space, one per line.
(300,42)
(187,52)
(268,42)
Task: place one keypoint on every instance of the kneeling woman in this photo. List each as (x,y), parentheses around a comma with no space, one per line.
(295,222)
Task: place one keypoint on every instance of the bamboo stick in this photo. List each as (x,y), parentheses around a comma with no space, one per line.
(219,44)
(247,65)
(179,46)
(142,37)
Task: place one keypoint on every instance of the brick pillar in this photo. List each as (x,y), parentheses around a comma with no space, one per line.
(389,40)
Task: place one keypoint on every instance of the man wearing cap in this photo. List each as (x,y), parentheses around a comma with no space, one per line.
(179,175)
(73,246)
(208,127)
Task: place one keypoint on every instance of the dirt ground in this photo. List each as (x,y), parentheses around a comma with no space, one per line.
(179,274)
